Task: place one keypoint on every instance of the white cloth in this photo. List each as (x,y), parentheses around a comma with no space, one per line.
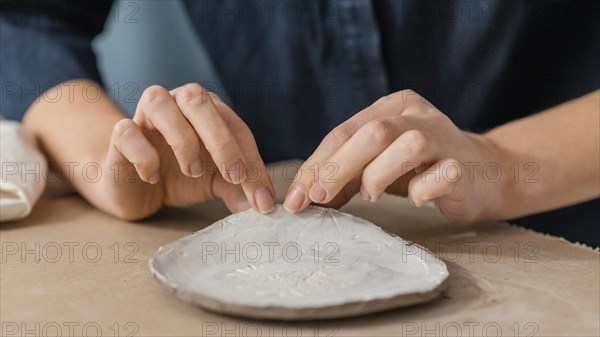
(22,179)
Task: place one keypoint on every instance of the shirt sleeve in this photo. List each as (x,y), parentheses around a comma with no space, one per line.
(44,43)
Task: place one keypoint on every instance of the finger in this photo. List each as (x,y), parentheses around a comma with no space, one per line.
(257,187)
(439,180)
(200,110)
(130,143)
(345,194)
(157,110)
(232,195)
(398,187)
(296,198)
(407,153)
(372,139)
(392,105)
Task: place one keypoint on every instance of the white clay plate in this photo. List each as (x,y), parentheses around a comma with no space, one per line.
(318,264)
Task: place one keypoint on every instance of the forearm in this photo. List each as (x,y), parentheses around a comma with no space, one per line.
(74,127)
(563,146)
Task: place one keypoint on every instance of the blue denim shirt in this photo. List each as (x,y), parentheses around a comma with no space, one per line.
(296,69)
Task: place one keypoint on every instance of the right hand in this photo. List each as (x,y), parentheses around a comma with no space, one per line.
(187,147)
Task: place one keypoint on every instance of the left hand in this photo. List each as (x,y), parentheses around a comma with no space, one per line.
(402,145)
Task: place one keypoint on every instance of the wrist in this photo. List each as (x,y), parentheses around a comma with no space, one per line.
(504,189)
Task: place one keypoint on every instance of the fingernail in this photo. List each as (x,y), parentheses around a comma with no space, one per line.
(154,178)
(364,195)
(264,200)
(317,193)
(196,167)
(235,172)
(294,199)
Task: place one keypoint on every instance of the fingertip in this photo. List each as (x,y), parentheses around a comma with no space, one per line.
(295,199)
(265,202)
(419,201)
(238,203)
(154,179)
(242,206)
(376,197)
(364,195)
(317,193)
(424,200)
(268,211)
(410,200)
(235,172)
(195,167)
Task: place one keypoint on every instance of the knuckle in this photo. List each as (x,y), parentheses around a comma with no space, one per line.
(342,133)
(179,145)
(402,100)
(185,142)
(155,94)
(387,99)
(235,123)
(415,142)
(379,131)
(412,111)
(409,94)
(192,93)
(223,145)
(406,97)
(123,129)
(237,126)
(452,172)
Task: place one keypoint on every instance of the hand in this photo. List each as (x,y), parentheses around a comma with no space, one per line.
(187,147)
(405,146)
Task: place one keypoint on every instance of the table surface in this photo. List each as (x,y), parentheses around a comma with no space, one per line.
(70,270)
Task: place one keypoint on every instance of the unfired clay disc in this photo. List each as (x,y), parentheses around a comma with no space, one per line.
(317,264)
